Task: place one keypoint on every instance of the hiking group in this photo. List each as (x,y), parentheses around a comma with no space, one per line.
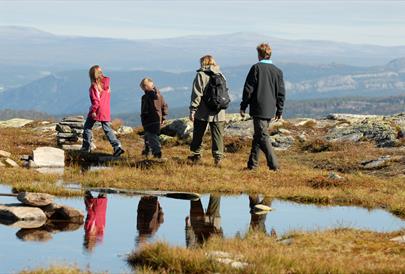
(263,93)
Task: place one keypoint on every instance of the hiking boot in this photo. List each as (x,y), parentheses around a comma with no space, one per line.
(195,159)
(118,151)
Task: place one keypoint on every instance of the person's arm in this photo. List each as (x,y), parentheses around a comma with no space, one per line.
(280,96)
(95,101)
(250,85)
(196,95)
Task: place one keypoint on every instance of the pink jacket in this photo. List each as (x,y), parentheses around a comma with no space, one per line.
(100,101)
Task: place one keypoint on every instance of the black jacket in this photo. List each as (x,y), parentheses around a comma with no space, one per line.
(264,91)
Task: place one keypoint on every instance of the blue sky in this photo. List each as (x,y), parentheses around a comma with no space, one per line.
(371,22)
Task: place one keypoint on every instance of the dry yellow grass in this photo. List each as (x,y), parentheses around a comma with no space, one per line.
(302,177)
(333,251)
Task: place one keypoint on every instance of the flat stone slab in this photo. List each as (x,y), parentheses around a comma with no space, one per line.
(15,212)
(78,118)
(4,154)
(35,199)
(10,163)
(49,157)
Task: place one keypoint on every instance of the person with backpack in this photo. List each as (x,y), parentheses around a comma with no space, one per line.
(264,92)
(209,99)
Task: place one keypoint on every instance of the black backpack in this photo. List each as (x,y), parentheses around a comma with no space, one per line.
(216,95)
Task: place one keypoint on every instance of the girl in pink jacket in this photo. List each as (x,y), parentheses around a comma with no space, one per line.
(99,110)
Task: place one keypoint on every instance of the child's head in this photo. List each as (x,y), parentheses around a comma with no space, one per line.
(147,84)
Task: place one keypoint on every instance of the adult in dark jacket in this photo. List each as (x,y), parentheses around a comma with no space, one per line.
(264,93)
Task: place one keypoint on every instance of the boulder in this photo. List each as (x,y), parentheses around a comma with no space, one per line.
(125,130)
(5,154)
(381,162)
(182,128)
(399,239)
(15,212)
(10,163)
(35,199)
(25,224)
(281,141)
(15,123)
(49,157)
(57,212)
(240,129)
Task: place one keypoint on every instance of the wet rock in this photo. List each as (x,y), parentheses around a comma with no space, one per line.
(399,239)
(10,163)
(57,212)
(15,212)
(125,130)
(34,235)
(182,128)
(35,199)
(25,224)
(15,123)
(378,163)
(49,157)
(5,154)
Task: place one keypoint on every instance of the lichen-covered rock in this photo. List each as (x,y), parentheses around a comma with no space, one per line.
(281,141)
(125,130)
(182,128)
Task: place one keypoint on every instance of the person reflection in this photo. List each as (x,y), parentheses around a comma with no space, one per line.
(201,226)
(258,216)
(150,217)
(95,220)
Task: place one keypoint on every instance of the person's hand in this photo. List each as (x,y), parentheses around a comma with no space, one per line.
(163,122)
(94,115)
(192,116)
(278,117)
(242,113)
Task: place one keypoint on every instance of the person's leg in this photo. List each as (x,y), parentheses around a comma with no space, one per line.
(255,150)
(115,143)
(198,134)
(217,140)
(146,150)
(154,143)
(265,144)
(87,134)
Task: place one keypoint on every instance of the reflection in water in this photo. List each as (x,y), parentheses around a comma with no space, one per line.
(44,233)
(257,217)
(95,221)
(201,226)
(149,218)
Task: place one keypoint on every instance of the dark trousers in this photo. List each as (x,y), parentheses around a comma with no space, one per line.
(152,144)
(88,135)
(217,137)
(261,141)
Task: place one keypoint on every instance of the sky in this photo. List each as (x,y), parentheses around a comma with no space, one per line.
(360,22)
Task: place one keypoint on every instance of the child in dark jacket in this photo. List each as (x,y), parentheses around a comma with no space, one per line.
(153,112)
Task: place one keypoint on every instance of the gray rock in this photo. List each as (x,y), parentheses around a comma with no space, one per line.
(63,128)
(71,147)
(399,239)
(377,163)
(125,130)
(70,135)
(10,163)
(281,141)
(283,131)
(182,128)
(78,131)
(15,212)
(164,139)
(28,223)
(63,213)
(78,118)
(46,128)
(4,154)
(15,123)
(49,157)
(79,125)
(35,199)
(350,117)
(240,129)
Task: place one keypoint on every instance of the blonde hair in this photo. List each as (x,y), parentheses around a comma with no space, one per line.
(93,78)
(207,60)
(144,80)
(264,50)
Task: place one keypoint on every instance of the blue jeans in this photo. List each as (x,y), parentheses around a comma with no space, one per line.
(88,135)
